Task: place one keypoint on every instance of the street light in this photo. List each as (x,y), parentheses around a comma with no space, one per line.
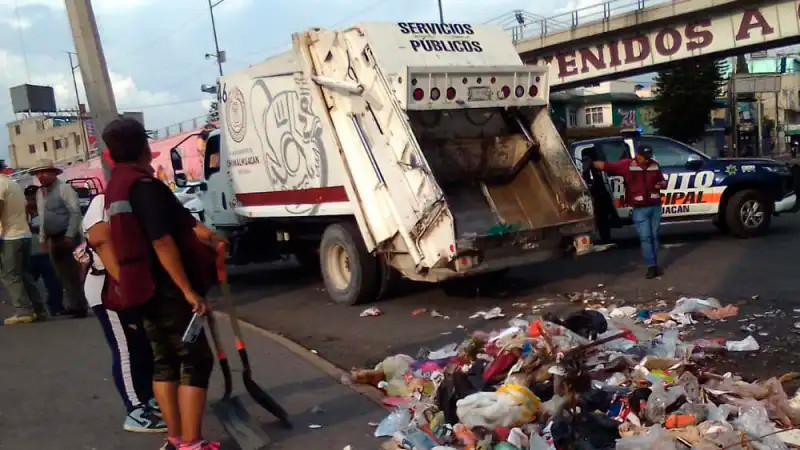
(441,15)
(219,55)
(85,139)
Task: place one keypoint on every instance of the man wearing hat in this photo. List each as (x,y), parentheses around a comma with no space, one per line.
(643,184)
(59,209)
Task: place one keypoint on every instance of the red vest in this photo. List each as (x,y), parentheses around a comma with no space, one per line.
(640,184)
(136,285)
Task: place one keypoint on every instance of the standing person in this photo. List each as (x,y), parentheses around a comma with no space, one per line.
(132,358)
(58,206)
(165,270)
(40,265)
(15,252)
(643,184)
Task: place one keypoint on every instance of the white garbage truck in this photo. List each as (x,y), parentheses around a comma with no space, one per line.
(422,149)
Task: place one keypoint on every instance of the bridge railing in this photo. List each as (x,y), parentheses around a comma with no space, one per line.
(523,25)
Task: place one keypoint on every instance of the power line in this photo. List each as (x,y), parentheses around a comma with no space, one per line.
(161,105)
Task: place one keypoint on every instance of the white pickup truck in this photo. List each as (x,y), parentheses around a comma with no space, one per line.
(425,149)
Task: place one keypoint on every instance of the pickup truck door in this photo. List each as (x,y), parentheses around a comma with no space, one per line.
(691,189)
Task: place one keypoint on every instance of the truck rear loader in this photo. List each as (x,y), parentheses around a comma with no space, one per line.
(418,148)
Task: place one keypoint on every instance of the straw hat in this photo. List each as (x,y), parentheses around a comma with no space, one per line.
(44,164)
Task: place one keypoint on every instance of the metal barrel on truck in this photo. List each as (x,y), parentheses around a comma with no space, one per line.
(423,149)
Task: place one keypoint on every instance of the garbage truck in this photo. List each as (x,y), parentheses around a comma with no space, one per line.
(420,149)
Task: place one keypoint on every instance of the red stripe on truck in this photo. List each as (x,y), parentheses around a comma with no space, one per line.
(314,196)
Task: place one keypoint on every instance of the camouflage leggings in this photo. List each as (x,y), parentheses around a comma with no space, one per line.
(166,317)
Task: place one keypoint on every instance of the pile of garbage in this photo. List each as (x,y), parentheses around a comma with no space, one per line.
(596,379)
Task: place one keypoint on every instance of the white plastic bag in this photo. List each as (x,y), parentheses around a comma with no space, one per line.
(755,422)
(747,345)
(656,439)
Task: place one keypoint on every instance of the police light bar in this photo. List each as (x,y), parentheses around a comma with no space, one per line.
(453,87)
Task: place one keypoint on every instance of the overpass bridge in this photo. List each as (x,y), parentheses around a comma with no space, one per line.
(619,38)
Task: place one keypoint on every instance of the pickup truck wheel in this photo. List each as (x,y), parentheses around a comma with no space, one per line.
(748,214)
(349,271)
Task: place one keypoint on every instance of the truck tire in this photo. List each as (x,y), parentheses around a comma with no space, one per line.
(748,213)
(350,272)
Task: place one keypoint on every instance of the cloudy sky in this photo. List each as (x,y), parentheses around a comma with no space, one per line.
(155,48)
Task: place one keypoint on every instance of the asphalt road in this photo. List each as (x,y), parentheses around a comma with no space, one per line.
(698,261)
(56,392)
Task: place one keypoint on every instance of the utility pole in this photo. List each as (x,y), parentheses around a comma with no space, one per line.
(84,139)
(92,61)
(441,14)
(211,7)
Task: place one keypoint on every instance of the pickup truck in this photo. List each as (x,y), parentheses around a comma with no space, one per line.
(739,195)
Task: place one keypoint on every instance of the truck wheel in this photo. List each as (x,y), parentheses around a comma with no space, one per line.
(748,214)
(349,271)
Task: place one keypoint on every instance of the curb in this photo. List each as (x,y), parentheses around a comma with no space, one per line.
(315,360)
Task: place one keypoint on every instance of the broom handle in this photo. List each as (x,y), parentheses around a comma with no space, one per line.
(222,276)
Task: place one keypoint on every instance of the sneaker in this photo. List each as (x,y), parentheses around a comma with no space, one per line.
(169,446)
(18,319)
(40,317)
(204,445)
(144,420)
(153,405)
(652,272)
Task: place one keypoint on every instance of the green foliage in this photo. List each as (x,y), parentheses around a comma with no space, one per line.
(685,97)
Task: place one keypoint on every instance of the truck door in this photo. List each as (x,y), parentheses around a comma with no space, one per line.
(218,199)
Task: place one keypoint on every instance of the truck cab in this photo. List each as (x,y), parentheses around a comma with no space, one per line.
(739,195)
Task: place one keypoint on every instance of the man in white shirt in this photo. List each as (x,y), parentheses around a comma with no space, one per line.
(15,251)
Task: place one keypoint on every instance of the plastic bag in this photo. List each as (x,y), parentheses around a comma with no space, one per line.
(656,439)
(755,422)
(747,345)
(512,405)
(667,345)
(448,351)
(397,420)
(687,305)
(538,443)
(395,366)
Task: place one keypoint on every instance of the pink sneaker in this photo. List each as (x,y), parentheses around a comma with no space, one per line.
(200,445)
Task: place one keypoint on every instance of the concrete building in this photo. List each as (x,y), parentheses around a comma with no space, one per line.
(53,136)
(604,109)
(56,137)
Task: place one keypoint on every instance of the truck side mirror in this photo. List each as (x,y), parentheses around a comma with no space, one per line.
(175,159)
(180,180)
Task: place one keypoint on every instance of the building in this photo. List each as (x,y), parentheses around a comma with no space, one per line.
(56,137)
(52,136)
(603,109)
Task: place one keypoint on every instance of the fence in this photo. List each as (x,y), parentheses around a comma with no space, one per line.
(524,25)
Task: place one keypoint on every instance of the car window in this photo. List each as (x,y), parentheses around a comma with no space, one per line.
(212,156)
(613,151)
(668,153)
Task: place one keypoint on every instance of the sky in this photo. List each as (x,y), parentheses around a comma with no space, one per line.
(155,49)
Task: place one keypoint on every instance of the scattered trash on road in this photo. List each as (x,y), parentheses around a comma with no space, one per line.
(598,378)
(494,313)
(371,312)
(437,315)
(314,426)
(418,312)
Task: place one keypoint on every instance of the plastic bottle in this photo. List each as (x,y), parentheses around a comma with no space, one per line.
(420,440)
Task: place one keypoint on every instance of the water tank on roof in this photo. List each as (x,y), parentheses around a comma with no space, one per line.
(33,98)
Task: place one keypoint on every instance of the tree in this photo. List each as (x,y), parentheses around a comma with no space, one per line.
(685,97)
(213,112)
